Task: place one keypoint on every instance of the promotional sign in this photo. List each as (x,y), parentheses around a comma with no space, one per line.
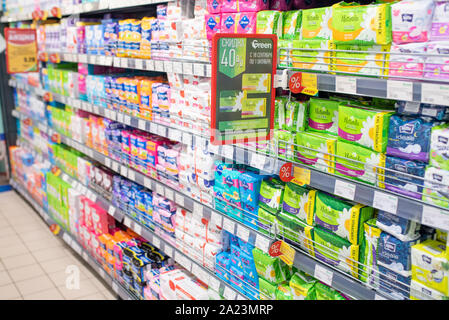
(243,69)
(21,50)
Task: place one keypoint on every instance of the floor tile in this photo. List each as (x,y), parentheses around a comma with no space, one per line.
(37,235)
(7,231)
(34,285)
(95,296)
(27,272)
(13,250)
(28,228)
(19,261)
(9,292)
(109,295)
(97,282)
(85,288)
(59,264)
(49,294)
(5,278)
(49,254)
(43,244)
(59,278)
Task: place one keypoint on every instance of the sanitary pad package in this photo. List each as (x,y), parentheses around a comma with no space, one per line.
(308,59)
(439,147)
(418,291)
(437,67)
(242,22)
(440,22)
(324,292)
(269,268)
(409,138)
(336,251)
(404,183)
(369,272)
(364,126)
(411,20)
(401,228)
(394,284)
(271,195)
(404,63)
(364,169)
(302,286)
(430,266)
(269,22)
(291,24)
(323,115)
(295,116)
(299,201)
(292,228)
(436,187)
(343,218)
(316,149)
(315,24)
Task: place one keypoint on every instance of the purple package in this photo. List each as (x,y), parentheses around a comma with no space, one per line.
(281,5)
(440,22)
(437,67)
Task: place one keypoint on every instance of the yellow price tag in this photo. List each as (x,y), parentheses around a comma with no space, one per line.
(301,176)
(288,253)
(310,84)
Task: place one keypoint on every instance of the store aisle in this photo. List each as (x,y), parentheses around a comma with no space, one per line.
(34,262)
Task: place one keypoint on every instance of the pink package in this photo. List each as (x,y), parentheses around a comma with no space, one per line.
(407,64)
(243,22)
(213,24)
(253,5)
(230,6)
(282,5)
(214,6)
(100,220)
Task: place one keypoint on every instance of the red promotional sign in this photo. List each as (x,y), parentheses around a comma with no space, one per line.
(275,249)
(285,173)
(21,50)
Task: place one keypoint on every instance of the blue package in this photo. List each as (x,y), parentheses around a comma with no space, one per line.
(409,138)
(246,247)
(223,260)
(393,283)
(251,219)
(250,291)
(221,206)
(233,240)
(249,267)
(219,167)
(231,186)
(249,185)
(409,108)
(236,279)
(222,274)
(395,254)
(235,213)
(236,256)
(403,184)
(401,228)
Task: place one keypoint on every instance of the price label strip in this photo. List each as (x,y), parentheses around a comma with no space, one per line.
(344,189)
(385,202)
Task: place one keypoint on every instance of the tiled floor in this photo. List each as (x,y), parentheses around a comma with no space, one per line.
(34,262)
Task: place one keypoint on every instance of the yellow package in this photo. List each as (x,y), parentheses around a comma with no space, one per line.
(311,59)
(145,42)
(256,82)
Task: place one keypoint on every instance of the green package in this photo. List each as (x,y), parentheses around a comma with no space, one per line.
(285,60)
(345,218)
(435,187)
(302,286)
(323,116)
(336,251)
(364,170)
(269,22)
(365,126)
(267,290)
(369,272)
(279,111)
(256,82)
(266,222)
(315,24)
(269,268)
(370,24)
(295,116)
(284,140)
(304,58)
(271,195)
(283,292)
(290,227)
(439,147)
(324,292)
(316,150)
(299,201)
(291,24)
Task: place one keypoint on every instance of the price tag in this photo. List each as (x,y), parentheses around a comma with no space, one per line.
(187,138)
(435,217)
(82,58)
(344,189)
(161,130)
(229,294)
(65,178)
(323,274)
(156,242)
(435,93)
(95,108)
(111,210)
(179,199)
(208,70)
(102,273)
(91,59)
(262,243)
(149,65)
(131,175)
(429,112)
(240,297)
(147,183)
(127,120)
(198,69)
(216,219)
(200,273)
(107,162)
(213,148)
(169,194)
(116,62)
(141,124)
(346,85)
(115,166)
(242,233)
(139,64)
(85,256)
(138,229)
(229,225)
(187,68)
(115,287)
(198,209)
(108,61)
(228,152)
(174,135)
(124,62)
(177,67)
(127,222)
(214,283)
(412,107)
(168,250)
(159,189)
(168,66)
(258,161)
(186,263)
(120,117)
(158,65)
(113,115)
(399,90)
(66,238)
(385,202)
(124,171)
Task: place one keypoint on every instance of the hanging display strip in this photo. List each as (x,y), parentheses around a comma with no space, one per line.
(73,243)
(302,261)
(89,7)
(433,93)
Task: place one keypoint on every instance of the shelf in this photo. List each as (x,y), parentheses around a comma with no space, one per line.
(73,243)
(430,91)
(89,7)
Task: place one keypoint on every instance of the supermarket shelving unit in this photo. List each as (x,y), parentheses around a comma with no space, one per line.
(362,193)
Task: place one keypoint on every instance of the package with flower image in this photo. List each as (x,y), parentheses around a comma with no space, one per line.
(316,150)
(344,218)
